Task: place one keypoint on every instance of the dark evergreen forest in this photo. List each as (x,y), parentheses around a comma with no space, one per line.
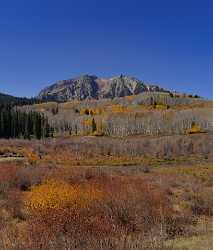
(18,124)
(14,101)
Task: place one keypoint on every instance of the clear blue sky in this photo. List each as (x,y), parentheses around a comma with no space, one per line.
(169,42)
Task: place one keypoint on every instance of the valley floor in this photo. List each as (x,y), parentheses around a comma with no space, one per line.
(107,193)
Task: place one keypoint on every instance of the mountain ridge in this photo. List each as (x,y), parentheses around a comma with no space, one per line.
(93,87)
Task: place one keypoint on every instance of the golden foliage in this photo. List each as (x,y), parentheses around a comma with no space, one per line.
(195,129)
(55,195)
(161,106)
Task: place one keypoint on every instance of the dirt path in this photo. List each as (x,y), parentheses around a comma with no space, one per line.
(6,159)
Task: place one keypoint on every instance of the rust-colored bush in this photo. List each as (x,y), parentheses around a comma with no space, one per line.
(104,207)
(9,177)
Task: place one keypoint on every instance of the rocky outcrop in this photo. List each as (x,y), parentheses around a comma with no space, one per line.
(92,87)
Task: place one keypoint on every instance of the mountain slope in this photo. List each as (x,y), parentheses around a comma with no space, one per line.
(92,87)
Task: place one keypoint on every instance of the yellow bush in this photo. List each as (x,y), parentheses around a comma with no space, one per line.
(161,106)
(195,129)
(57,194)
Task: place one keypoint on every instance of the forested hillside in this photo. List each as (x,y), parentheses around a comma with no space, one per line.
(155,113)
(146,114)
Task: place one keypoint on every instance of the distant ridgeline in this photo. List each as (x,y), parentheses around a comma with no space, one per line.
(13,101)
(15,123)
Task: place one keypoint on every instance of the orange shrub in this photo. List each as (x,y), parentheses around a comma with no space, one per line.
(56,195)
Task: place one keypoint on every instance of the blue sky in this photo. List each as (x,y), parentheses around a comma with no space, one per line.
(166,42)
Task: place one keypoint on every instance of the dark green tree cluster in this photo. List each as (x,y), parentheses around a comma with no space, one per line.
(17,101)
(18,124)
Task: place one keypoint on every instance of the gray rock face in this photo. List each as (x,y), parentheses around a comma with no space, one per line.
(92,87)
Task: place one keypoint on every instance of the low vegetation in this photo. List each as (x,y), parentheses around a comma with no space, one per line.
(60,197)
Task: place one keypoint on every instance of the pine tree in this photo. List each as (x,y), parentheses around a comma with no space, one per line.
(94,127)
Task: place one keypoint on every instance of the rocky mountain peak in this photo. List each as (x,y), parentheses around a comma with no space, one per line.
(93,87)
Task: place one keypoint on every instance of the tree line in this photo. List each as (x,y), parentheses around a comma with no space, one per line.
(17,101)
(19,124)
